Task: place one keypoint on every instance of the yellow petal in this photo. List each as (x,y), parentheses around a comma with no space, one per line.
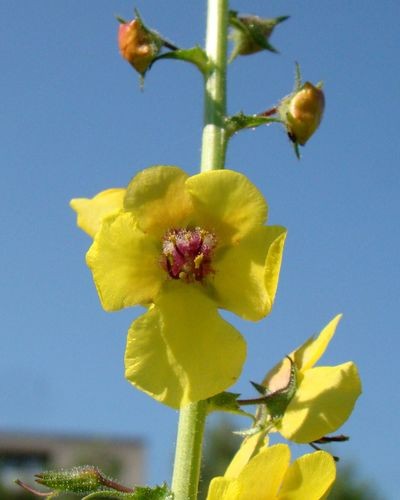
(158,198)
(310,477)
(182,351)
(311,351)
(219,488)
(227,203)
(125,263)
(262,476)
(250,446)
(91,211)
(323,402)
(304,356)
(246,274)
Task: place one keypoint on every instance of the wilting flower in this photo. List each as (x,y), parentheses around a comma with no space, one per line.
(325,395)
(183,247)
(268,475)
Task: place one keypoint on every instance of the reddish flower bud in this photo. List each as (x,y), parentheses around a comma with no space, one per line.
(138,45)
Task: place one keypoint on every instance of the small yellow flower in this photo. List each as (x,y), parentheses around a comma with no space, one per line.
(325,395)
(184,247)
(268,475)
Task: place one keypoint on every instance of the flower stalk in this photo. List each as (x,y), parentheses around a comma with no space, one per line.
(192,417)
(214,132)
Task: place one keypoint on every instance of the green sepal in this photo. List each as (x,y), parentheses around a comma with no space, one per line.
(121,20)
(260,388)
(276,402)
(140,493)
(241,121)
(251,33)
(83,480)
(195,55)
(226,401)
(297,77)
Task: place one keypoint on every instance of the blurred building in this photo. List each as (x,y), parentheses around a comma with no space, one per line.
(23,455)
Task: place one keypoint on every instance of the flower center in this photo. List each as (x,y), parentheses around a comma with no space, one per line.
(187,253)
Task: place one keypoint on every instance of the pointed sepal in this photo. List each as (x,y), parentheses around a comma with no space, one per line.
(227,402)
(250,34)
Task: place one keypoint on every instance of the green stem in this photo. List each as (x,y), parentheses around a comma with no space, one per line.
(189,443)
(192,417)
(214,134)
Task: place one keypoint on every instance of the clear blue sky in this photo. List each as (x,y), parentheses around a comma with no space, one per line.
(73,122)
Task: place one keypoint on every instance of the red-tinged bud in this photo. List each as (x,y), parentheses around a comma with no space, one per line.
(138,45)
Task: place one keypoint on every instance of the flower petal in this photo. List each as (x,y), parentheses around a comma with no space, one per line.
(262,476)
(220,489)
(249,447)
(246,275)
(125,263)
(158,198)
(312,350)
(181,350)
(228,203)
(310,477)
(92,211)
(323,402)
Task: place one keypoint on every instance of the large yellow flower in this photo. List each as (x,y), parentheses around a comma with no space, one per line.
(268,475)
(325,395)
(185,246)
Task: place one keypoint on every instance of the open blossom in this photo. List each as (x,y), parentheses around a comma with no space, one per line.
(325,395)
(266,474)
(184,247)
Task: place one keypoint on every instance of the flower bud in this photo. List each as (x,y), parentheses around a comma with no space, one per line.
(84,479)
(302,112)
(138,45)
(250,34)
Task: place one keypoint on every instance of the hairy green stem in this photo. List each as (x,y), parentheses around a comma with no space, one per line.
(214,134)
(192,417)
(189,443)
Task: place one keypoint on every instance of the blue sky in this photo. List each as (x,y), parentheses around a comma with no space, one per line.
(73,121)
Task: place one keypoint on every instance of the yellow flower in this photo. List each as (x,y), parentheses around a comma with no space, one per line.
(268,475)
(185,246)
(325,395)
